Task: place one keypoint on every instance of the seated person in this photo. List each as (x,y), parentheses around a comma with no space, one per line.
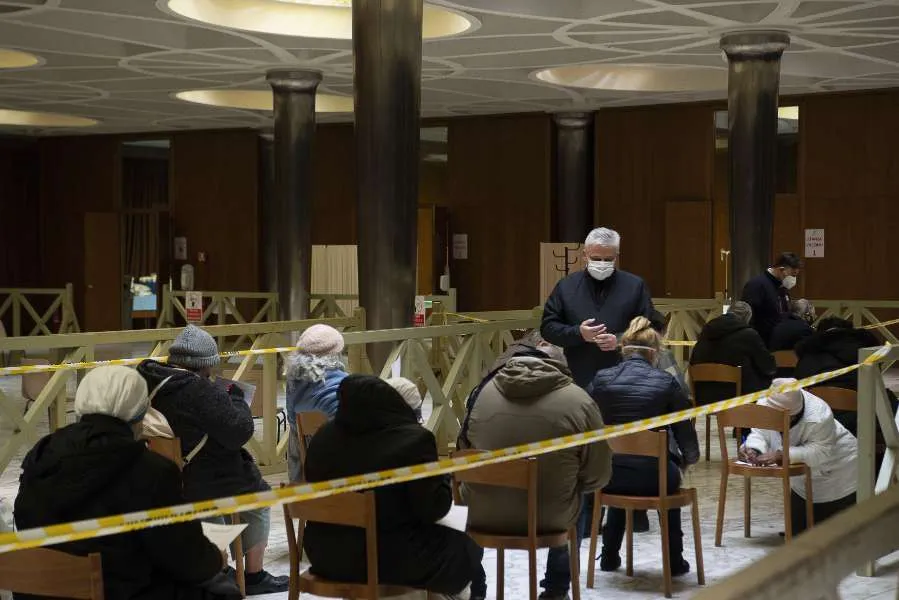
(835,345)
(729,340)
(794,327)
(375,429)
(314,372)
(97,467)
(213,424)
(633,390)
(531,399)
(817,440)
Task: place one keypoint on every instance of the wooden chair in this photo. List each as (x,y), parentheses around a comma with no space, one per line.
(520,475)
(785,359)
(351,510)
(714,373)
(653,444)
(760,417)
(171,449)
(837,398)
(50,573)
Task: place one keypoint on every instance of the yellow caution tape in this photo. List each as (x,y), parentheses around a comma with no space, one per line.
(91,528)
(689,343)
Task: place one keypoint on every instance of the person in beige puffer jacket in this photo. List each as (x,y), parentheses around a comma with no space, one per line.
(531,399)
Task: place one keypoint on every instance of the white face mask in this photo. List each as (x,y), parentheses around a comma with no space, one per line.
(600,269)
(789,281)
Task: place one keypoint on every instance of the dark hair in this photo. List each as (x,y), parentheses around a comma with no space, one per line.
(834,323)
(788,260)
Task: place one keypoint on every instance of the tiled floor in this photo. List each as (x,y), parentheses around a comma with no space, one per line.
(737,552)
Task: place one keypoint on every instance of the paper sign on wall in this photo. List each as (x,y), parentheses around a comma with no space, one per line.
(193,306)
(814,243)
(460,246)
(420,313)
(180,250)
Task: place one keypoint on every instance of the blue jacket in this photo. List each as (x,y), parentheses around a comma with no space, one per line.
(305,396)
(578,297)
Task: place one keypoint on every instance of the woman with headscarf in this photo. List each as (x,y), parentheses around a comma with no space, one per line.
(96,468)
(314,372)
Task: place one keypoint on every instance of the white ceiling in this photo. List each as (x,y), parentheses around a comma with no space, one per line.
(120,61)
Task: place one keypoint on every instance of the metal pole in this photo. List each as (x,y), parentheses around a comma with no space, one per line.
(574,190)
(387,98)
(753,85)
(294,105)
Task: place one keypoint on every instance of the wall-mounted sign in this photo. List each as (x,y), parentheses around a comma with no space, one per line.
(193,306)
(460,246)
(420,312)
(180,249)
(814,243)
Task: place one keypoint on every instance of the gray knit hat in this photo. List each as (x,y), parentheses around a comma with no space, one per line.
(194,349)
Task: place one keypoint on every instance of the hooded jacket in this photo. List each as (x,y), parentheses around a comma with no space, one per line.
(830,350)
(374,429)
(532,399)
(95,468)
(727,340)
(788,333)
(578,297)
(770,302)
(194,407)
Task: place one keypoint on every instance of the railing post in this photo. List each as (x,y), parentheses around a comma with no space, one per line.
(269,407)
(867,424)
(165,305)
(16,315)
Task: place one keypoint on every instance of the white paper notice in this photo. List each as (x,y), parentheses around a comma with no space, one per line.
(814,243)
(460,246)
(222,535)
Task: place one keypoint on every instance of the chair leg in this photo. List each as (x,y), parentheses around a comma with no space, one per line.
(788,516)
(237,546)
(697,539)
(500,574)
(722,499)
(594,538)
(574,563)
(809,501)
(293,592)
(532,571)
(666,552)
(629,535)
(747,506)
(708,437)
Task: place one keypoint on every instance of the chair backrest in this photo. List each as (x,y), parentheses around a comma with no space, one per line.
(351,509)
(308,424)
(837,398)
(653,444)
(520,474)
(44,572)
(715,373)
(786,359)
(167,447)
(754,416)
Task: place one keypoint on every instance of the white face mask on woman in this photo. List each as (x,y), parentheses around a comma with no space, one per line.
(600,269)
(789,282)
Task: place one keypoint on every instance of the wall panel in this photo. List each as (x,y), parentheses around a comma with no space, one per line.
(334,186)
(20,252)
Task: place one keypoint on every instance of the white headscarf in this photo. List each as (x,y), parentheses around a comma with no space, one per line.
(114,391)
(409,392)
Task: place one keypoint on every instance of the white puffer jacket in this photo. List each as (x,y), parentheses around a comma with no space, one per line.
(822,443)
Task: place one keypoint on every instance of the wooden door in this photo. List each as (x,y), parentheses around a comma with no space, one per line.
(103,285)
(688,249)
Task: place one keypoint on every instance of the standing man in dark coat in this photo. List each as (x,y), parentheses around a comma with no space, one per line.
(589,310)
(769,294)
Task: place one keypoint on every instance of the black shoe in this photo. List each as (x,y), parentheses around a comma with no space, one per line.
(609,562)
(679,568)
(641,521)
(553,596)
(266,583)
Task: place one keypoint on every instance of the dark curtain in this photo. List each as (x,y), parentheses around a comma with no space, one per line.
(145,185)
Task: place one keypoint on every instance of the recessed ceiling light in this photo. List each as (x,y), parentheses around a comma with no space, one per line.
(27,118)
(15,59)
(261,100)
(306,18)
(637,78)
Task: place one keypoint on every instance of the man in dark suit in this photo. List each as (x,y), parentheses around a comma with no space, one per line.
(769,293)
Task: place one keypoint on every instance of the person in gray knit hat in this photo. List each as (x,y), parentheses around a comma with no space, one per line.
(213,423)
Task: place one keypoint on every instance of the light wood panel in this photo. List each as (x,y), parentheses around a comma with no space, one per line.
(557,261)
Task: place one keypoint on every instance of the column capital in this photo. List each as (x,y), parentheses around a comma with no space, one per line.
(743,45)
(294,80)
(573,119)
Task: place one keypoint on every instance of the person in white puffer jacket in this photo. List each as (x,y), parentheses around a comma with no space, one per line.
(819,441)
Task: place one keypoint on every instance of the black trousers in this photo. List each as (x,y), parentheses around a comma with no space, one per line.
(633,476)
(820,510)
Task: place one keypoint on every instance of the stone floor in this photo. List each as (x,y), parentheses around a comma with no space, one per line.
(736,553)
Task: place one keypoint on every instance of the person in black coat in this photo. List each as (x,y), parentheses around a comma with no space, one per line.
(96,468)
(794,328)
(588,310)
(769,293)
(631,391)
(729,340)
(375,429)
(215,423)
(835,345)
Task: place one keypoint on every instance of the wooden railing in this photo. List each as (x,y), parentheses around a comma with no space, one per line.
(18,304)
